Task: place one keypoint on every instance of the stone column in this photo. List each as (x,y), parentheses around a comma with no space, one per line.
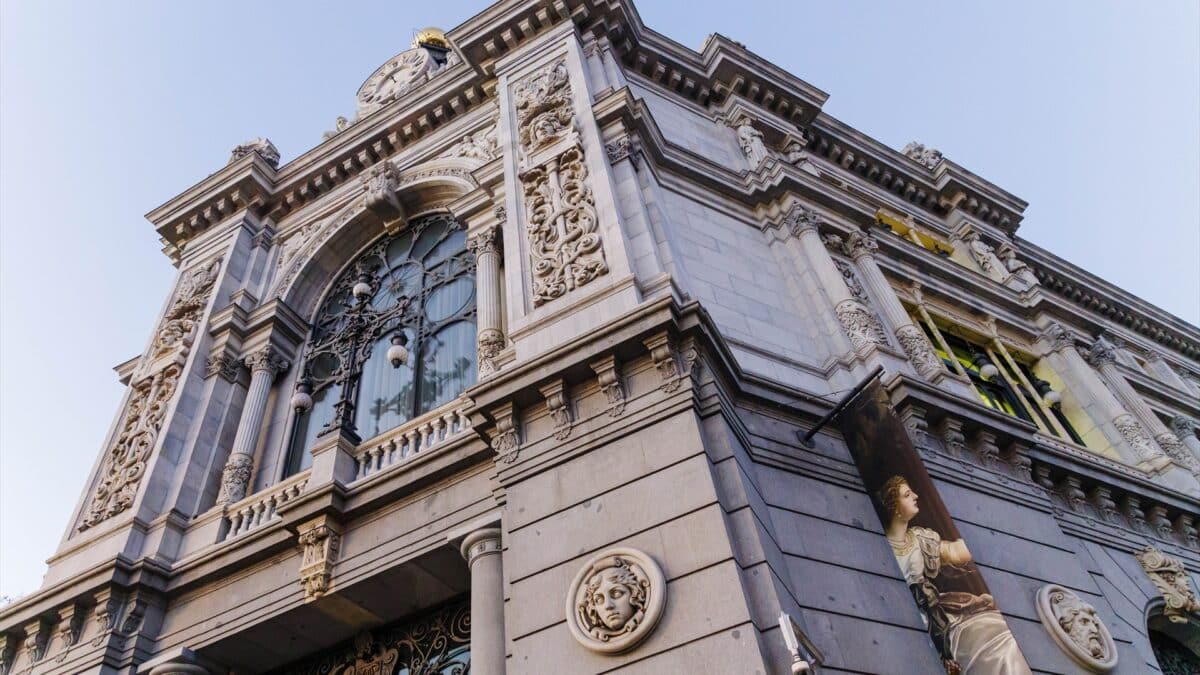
(857,321)
(235,478)
(486,247)
(1081,377)
(1103,355)
(861,247)
(1185,431)
(481,548)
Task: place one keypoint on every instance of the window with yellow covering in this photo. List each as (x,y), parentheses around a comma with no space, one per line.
(1002,381)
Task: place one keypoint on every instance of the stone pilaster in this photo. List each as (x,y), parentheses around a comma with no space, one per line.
(1144,424)
(482,549)
(264,365)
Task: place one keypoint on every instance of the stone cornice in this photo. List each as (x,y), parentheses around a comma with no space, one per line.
(1104,301)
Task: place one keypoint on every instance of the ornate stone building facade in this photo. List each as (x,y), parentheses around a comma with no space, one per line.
(510,372)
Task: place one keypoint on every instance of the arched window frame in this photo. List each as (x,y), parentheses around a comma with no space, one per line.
(350,328)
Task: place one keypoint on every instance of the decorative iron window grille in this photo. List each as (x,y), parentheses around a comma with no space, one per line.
(418,284)
(437,643)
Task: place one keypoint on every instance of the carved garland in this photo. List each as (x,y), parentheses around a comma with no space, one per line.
(565,248)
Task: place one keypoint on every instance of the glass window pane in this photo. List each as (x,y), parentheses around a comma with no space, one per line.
(308,425)
(453,243)
(397,251)
(447,365)
(428,238)
(449,300)
(385,398)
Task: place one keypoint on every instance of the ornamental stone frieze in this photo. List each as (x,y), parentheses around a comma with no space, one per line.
(480,146)
(615,600)
(178,326)
(1077,628)
(1171,578)
(565,248)
(320,540)
(125,463)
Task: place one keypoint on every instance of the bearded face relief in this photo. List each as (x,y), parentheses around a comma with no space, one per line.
(615,600)
(1077,628)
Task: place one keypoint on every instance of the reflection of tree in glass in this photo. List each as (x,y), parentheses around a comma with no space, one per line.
(431,385)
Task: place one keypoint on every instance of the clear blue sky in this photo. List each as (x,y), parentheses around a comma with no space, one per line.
(1089,110)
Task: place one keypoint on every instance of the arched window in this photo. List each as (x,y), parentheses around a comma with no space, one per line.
(416,288)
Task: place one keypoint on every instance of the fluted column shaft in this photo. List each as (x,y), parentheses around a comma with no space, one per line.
(486,247)
(235,478)
(1103,356)
(482,550)
(861,247)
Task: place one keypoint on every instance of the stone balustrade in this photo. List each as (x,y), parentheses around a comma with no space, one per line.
(260,508)
(419,435)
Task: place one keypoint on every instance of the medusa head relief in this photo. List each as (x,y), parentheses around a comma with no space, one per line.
(615,600)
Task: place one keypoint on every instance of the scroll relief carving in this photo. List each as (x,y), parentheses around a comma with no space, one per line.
(615,600)
(179,323)
(1171,579)
(320,541)
(565,249)
(1077,628)
(860,324)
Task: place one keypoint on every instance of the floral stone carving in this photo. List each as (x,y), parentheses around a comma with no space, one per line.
(122,469)
(860,325)
(190,298)
(918,349)
(320,541)
(615,600)
(565,250)
(1077,628)
(1171,579)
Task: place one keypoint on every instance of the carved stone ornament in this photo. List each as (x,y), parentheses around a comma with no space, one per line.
(559,407)
(800,219)
(565,250)
(179,323)
(662,352)
(1184,427)
(1102,353)
(751,142)
(264,147)
(1060,338)
(125,463)
(1171,579)
(916,345)
(267,359)
(505,441)
(609,379)
(544,109)
(491,343)
(619,150)
(616,600)
(480,146)
(223,364)
(320,541)
(1177,451)
(380,183)
(1137,438)
(235,479)
(859,243)
(927,157)
(860,325)
(1077,628)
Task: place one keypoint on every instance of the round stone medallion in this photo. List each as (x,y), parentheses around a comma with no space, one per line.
(1077,628)
(615,600)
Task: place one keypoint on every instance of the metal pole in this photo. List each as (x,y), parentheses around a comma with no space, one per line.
(806,437)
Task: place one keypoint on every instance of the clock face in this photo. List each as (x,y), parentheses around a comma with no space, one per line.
(393,79)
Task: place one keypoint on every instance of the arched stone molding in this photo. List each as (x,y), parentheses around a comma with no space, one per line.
(311,255)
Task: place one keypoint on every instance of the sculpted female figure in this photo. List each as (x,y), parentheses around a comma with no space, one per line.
(967,629)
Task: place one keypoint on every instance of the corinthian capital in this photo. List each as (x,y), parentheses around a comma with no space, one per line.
(484,241)
(859,243)
(267,359)
(1183,427)
(800,220)
(1102,352)
(1058,337)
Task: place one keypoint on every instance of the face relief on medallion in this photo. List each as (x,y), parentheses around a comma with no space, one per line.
(615,600)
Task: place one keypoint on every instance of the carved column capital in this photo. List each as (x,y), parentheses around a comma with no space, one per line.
(1058,337)
(484,241)
(268,359)
(1184,427)
(1102,352)
(859,243)
(800,220)
(480,543)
